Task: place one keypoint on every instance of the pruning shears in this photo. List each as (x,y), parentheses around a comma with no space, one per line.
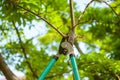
(64,48)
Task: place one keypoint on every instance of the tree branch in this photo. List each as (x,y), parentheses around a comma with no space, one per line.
(83,22)
(23,50)
(112,10)
(42,19)
(6,70)
(117,76)
(78,48)
(79,18)
(72,15)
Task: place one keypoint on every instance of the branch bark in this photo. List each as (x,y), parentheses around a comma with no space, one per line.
(15,3)
(117,77)
(78,48)
(23,50)
(81,15)
(6,70)
(71,35)
(63,35)
(72,15)
(112,10)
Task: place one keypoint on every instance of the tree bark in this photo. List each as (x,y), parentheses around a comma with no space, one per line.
(6,70)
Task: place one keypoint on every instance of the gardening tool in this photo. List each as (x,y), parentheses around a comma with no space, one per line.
(64,48)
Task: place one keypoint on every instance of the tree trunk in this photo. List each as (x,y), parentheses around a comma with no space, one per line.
(6,70)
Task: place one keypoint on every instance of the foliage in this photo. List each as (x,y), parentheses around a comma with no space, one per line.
(99,28)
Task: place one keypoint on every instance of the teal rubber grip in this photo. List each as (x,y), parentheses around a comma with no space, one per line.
(74,67)
(48,68)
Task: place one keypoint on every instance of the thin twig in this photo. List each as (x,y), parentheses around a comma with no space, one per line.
(84,22)
(72,14)
(112,10)
(43,20)
(23,50)
(79,18)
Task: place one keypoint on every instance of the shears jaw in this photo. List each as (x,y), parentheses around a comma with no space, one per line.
(67,47)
